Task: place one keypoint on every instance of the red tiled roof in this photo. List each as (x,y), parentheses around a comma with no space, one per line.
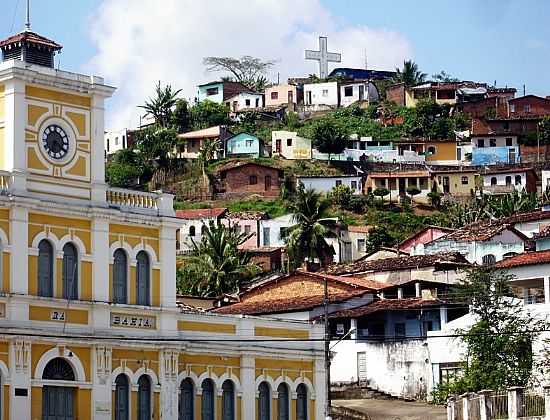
(527,217)
(505,170)
(239,163)
(31,38)
(201,213)
(247,215)
(398,263)
(398,174)
(285,305)
(528,258)
(387,305)
(360,229)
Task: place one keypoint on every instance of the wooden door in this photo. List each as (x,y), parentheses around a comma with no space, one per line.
(57,403)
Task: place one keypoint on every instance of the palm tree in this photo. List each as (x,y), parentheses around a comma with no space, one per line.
(306,240)
(410,75)
(161,106)
(216,265)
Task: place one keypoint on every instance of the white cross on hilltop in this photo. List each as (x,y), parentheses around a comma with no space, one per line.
(323,57)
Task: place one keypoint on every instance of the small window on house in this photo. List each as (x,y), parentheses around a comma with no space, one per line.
(191,230)
(116,141)
(338,182)
(204,229)
(526,108)
(508,180)
(107,144)
(464,180)
(506,126)
(382,183)
(449,372)
(361,245)
(212,91)
(354,185)
(492,142)
(257,102)
(247,102)
(494,180)
(488,259)
(481,143)
(247,229)
(509,141)
(512,108)
(274,95)
(325,92)
(253,180)
(289,142)
(431,150)
(348,91)
(249,143)
(399,329)
(518,180)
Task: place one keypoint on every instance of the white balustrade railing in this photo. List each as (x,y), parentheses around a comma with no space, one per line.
(141,200)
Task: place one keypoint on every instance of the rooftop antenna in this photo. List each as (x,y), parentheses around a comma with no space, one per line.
(28,21)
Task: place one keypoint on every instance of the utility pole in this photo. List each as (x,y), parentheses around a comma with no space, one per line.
(327,355)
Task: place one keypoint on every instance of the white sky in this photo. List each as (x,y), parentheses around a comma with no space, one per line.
(140,42)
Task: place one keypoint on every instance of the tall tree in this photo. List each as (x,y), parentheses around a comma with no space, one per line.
(216,265)
(410,74)
(207,114)
(445,77)
(329,136)
(250,71)
(161,106)
(155,143)
(307,239)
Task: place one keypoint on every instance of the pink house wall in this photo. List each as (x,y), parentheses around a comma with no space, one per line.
(245,224)
(282,95)
(423,237)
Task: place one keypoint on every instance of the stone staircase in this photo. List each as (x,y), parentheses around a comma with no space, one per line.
(356,392)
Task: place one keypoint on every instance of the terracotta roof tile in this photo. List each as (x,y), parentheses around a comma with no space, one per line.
(398,263)
(387,305)
(239,163)
(201,213)
(247,215)
(285,305)
(30,37)
(360,229)
(528,258)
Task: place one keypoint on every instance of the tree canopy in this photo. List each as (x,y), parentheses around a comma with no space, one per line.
(161,106)
(250,71)
(410,74)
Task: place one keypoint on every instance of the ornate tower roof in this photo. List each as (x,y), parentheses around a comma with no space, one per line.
(31,48)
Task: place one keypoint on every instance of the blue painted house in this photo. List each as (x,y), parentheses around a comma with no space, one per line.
(219,91)
(244,145)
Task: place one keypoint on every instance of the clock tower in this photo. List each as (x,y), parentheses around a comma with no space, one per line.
(51,123)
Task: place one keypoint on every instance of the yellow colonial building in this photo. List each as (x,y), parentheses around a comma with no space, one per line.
(89,323)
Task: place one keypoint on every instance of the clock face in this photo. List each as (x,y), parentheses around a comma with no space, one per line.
(55,141)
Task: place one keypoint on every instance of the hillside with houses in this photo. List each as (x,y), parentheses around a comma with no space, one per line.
(374,197)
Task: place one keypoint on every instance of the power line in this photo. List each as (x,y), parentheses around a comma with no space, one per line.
(14,16)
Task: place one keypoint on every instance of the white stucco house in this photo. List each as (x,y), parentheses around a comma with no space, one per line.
(289,145)
(358,91)
(506,180)
(483,243)
(325,184)
(115,141)
(321,96)
(245,101)
(193,222)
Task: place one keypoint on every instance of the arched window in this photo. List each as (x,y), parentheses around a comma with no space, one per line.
(488,259)
(143,280)
(283,402)
(264,402)
(70,272)
(494,180)
(187,400)
(144,398)
(508,180)
(45,269)
(203,230)
(228,400)
(120,277)
(191,230)
(121,398)
(301,402)
(58,369)
(207,402)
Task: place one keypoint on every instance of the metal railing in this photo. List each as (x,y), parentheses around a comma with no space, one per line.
(498,406)
(532,405)
(474,410)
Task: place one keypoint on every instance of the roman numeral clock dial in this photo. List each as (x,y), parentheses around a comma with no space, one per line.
(55,142)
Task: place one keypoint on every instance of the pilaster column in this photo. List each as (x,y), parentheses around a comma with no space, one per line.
(515,396)
(20,376)
(15,122)
(248,383)
(97,135)
(168,264)
(169,386)
(101,259)
(102,384)
(485,404)
(320,388)
(19,263)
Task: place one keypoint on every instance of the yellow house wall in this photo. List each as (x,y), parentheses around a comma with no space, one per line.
(6,400)
(4,353)
(455,183)
(83,404)
(292,368)
(36,403)
(443,151)
(6,272)
(43,313)
(207,327)
(135,359)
